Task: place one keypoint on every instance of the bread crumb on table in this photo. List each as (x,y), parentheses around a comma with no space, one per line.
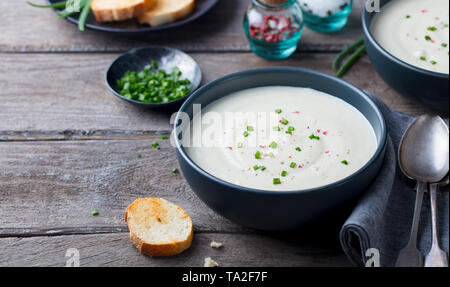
(215,244)
(210,263)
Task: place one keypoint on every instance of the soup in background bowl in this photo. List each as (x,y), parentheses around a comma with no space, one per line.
(414,68)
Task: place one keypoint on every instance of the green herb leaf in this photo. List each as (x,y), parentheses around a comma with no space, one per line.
(155,144)
(298,149)
(313,137)
(345,162)
(273,145)
(54,6)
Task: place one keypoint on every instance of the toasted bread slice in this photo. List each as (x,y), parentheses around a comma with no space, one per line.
(118,10)
(166,11)
(158,227)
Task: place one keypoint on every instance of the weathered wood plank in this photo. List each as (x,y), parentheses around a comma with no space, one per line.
(57,184)
(28,29)
(63,96)
(240,250)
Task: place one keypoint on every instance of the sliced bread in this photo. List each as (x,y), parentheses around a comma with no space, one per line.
(158,227)
(166,11)
(118,10)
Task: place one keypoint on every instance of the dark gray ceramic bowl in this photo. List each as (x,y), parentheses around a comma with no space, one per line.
(269,210)
(427,87)
(167,58)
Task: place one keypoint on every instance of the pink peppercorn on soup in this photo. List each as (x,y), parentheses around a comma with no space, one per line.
(282,138)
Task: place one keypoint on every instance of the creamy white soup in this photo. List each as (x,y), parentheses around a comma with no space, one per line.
(281,139)
(416,32)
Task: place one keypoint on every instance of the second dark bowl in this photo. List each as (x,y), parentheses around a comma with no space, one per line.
(271,210)
(427,87)
(166,58)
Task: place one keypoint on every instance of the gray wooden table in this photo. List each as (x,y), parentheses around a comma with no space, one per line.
(67,146)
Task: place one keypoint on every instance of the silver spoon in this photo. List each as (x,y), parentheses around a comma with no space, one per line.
(436,257)
(423,156)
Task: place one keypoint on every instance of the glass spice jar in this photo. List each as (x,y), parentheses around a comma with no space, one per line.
(273,27)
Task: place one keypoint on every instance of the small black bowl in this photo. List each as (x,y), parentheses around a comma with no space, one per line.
(282,210)
(167,58)
(428,87)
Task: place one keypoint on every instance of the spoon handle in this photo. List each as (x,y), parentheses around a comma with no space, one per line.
(421,186)
(410,256)
(436,257)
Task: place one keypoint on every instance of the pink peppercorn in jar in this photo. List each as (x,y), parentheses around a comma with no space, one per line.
(273,27)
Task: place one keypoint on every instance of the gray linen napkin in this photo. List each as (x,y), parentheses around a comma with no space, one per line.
(383,215)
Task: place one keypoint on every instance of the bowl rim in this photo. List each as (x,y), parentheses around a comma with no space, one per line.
(380,148)
(152,105)
(366,23)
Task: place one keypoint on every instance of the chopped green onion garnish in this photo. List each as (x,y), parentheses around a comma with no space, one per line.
(250,128)
(433,62)
(95,212)
(262,168)
(174,170)
(246,134)
(423,58)
(313,137)
(277,129)
(278,111)
(258,155)
(408,16)
(273,145)
(298,149)
(155,144)
(271,155)
(284,121)
(139,155)
(164,137)
(428,38)
(432,28)
(284,173)
(290,130)
(293,165)
(153,86)
(240,145)
(344,162)
(276,181)
(444,45)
